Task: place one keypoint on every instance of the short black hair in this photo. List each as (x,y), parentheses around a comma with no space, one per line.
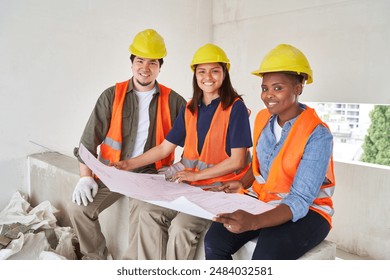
(160,60)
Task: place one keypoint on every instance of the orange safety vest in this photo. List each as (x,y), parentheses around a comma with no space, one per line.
(285,165)
(111,148)
(214,147)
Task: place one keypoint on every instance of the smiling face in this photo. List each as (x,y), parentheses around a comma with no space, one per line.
(209,77)
(145,72)
(279,92)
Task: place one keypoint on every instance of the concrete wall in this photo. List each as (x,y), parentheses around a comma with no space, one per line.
(346,43)
(362,210)
(56,57)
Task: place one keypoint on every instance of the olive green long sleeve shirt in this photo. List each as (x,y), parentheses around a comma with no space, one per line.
(99,122)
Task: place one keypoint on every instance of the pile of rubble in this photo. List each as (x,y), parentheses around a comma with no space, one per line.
(28,233)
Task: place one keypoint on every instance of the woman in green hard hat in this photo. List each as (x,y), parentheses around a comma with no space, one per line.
(292,169)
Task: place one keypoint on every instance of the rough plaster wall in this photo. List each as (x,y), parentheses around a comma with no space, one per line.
(346,43)
(52,177)
(58,56)
(361,222)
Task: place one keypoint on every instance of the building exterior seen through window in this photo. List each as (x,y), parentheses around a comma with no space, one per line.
(361,131)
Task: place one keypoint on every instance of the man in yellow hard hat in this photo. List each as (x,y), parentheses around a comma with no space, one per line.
(125,122)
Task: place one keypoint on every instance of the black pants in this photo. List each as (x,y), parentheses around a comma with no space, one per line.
(288,241)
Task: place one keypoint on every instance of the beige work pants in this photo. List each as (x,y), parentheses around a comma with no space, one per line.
(85,221)
(158,233)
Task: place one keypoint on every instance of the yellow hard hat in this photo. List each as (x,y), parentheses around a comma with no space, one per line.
(285,58)
(209,53)
(148,44)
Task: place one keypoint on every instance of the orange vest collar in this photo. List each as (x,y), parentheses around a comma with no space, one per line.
(214,147)
(110,149)
(286,163)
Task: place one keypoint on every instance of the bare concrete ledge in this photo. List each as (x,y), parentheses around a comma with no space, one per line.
(53,177)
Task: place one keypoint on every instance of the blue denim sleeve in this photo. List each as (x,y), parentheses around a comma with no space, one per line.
(311,172)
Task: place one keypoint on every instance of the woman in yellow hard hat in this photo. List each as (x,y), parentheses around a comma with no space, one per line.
(292,169)
(214,131)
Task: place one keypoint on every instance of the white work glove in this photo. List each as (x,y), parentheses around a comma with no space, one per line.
(171,171)
(85,190)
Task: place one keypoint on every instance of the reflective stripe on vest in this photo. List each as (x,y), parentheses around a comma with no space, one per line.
(111,148)
(285,165)
(214,147)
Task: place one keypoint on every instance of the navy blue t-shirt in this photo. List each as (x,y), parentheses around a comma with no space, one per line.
(239,131)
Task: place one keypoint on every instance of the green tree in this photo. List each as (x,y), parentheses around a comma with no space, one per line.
(376,146)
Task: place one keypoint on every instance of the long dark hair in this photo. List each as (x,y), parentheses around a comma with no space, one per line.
(226,92)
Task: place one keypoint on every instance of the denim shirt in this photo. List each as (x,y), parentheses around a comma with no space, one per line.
(312,167)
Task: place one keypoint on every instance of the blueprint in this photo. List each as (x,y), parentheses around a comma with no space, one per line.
(153,188)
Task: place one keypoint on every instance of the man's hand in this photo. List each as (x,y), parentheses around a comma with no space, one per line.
(85,190)
(229,187)
(123,164)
